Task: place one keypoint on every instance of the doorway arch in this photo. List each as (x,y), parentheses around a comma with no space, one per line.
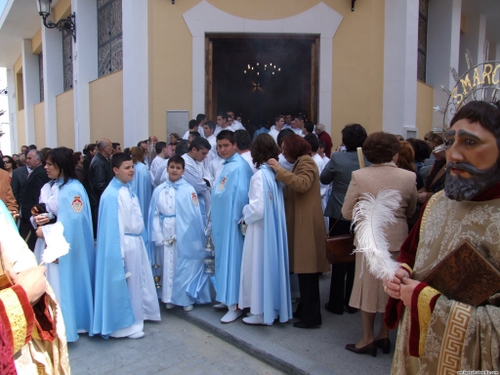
(321,20)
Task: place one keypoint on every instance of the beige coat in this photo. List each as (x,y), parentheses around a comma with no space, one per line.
(304,217)
(367,292)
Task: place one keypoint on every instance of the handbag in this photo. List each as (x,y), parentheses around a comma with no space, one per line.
(339,249)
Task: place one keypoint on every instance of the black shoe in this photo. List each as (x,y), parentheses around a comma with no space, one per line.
(333,311)
(384,344)
(298,310)
(371,348)
(303,325)
(350,310)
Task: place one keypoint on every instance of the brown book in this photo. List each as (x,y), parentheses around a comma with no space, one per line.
(465,275)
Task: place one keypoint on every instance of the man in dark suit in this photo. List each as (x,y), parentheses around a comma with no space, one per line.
(19,176)
(100,174)
(30,194)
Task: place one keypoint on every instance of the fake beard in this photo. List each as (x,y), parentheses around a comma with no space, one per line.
(464,189)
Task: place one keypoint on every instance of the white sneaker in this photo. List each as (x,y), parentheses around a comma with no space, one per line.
(219,307)
(137,335)
(231,316)
(188,308)
(169,306)
(255,320)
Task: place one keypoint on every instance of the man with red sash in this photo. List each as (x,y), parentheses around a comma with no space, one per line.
(438,335)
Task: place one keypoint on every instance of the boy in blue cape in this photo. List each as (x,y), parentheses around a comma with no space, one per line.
(229,196)
(125,293)
(177,237)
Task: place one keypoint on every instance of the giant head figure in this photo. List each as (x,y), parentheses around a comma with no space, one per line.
(472,151)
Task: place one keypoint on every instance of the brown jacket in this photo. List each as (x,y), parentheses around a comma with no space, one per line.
(6,191)
(304,217)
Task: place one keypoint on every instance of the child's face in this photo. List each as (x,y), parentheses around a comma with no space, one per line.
(175,171)
(125,172)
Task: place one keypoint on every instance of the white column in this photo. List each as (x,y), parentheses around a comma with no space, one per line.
(135,71)
(443,50)
(400,65)
(11,94)
(84,66)
(31,88)
(53,76)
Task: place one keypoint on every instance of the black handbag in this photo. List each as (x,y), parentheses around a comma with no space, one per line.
(339,249)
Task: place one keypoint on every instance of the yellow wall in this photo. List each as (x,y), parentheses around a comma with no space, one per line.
(358,59)
(62,9)
(358,68)
(65,120)
(425,100)
(106,108)
(18,71)
(21,131)
(36,43)
(39,114)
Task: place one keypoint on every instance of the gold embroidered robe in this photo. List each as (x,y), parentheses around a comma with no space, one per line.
(459,336)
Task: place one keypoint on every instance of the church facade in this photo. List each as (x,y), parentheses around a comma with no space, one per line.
(142,67)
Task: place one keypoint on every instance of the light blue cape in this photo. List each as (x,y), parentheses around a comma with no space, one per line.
(191,284)
(229,196)
(141,183)
(76,269)
(4,211)
(276,274)
(113,309)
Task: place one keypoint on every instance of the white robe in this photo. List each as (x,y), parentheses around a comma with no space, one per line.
(194,172)
(248,158)
(214,170)
(157,164)
(165,230)
(251,273)
(236,125)
(323,189)
(140,283)
(284,163)
(49,195)
(274,133)
(218,129)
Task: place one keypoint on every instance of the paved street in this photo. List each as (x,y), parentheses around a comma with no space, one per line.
(197,343)
(172,346)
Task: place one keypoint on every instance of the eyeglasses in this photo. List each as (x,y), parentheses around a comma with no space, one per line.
(7,162)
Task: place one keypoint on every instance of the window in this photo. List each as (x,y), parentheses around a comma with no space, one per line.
(67,60)
(109,39)
(422,40)
(40,73)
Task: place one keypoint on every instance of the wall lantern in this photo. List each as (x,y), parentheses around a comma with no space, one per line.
(67,24)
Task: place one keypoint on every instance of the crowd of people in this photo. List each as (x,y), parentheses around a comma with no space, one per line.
(140,224)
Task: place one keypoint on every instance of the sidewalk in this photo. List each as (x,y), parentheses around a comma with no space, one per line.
(298,351)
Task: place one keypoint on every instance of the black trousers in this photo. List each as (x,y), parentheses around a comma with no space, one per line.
(342,273)
(94,209)
(308,309)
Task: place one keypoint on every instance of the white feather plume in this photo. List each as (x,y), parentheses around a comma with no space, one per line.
(371,216)
(57,246)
